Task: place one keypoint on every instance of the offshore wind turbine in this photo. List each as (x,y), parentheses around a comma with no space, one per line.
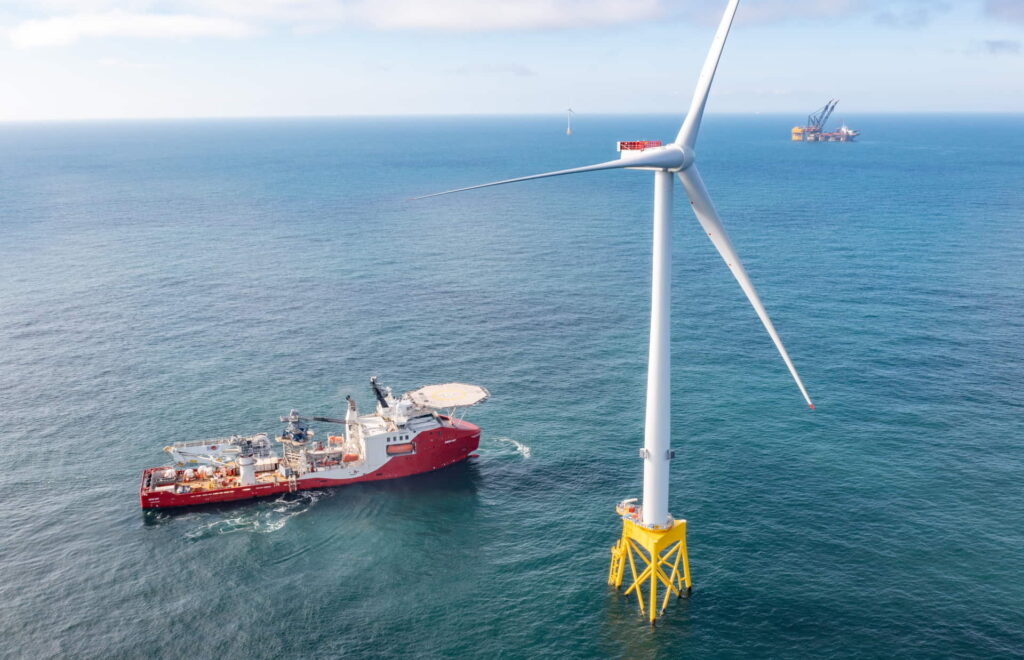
(651,537)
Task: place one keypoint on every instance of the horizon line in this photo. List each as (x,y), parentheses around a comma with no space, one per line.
(457,115)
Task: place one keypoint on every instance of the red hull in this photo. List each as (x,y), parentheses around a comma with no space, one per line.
(434,450)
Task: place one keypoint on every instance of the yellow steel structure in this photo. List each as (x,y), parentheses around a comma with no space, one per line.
(660,556)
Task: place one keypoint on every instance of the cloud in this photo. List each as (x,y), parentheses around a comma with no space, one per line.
(444,15)
(462,15)
(1010,10)
(62,22)
(495,15)
(495,69)
(907,17)
(895,13)
(999,47)
(63,30)
(118,63)
(770,11)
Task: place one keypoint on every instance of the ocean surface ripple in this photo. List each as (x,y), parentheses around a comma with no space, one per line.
(179,280)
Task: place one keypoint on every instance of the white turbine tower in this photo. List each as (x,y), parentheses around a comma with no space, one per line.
(650,528)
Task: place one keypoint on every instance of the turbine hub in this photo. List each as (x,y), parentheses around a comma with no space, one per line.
(688,157)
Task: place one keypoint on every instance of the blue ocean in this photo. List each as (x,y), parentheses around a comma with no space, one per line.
(169,281)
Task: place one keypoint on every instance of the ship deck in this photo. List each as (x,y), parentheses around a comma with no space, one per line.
(205,484)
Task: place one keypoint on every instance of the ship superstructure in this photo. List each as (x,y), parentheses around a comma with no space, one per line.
(417,432)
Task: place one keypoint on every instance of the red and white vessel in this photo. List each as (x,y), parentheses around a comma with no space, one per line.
(404,436)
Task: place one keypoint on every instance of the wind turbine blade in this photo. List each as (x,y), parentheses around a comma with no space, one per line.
(670,157)
(712,224)
(691,125)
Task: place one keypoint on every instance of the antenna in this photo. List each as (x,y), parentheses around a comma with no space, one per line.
(651,537)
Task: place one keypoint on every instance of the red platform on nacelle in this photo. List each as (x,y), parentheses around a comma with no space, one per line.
(636,145)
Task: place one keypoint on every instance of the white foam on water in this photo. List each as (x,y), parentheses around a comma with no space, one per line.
(521,449)
(265,517)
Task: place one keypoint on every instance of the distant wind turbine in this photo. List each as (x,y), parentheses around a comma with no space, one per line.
(650,527)
(568,125)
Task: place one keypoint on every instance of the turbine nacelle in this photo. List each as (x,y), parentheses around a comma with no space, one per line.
(655,155)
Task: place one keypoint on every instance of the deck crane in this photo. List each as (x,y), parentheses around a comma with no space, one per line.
(816,121)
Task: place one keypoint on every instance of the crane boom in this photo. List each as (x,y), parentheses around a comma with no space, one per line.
(829,109)
(816,120)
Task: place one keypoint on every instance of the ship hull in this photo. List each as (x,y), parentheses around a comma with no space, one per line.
(433,451)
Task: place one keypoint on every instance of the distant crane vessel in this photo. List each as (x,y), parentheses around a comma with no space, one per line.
(814,130)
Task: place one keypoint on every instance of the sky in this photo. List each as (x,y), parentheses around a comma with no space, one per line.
(96,59)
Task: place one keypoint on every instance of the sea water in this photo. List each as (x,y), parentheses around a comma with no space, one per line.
(182,280)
